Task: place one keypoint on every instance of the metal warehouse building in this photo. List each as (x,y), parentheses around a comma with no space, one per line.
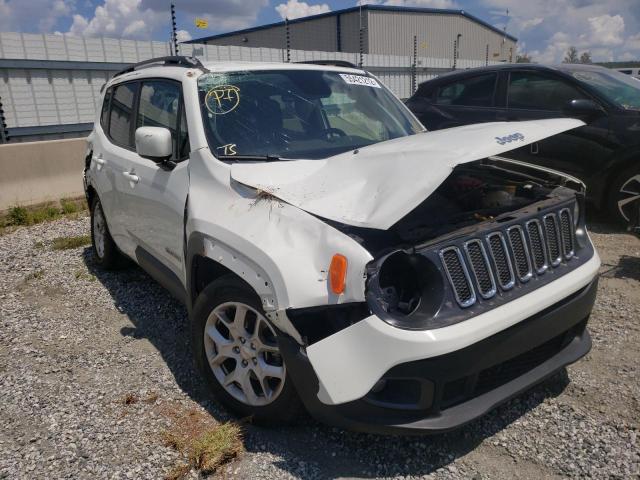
(381,30)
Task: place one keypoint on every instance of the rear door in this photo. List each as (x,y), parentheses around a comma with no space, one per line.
(157,192)
(115,151)
(535,95)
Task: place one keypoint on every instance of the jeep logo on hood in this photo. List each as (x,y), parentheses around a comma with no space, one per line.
(510,138)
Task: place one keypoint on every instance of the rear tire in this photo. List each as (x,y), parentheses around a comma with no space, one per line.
(624,195)
(236,351)
(105,251)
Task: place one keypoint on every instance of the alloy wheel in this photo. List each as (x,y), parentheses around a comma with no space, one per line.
(628,195)
(243,354)
(99,230)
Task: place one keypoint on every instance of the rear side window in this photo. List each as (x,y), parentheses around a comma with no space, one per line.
(104,114)
(121,117)
(476,91)
(534,91)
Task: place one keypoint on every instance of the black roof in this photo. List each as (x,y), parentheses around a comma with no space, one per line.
(533,66)
(381,8)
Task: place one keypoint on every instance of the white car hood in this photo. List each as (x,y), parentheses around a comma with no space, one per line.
(383,182)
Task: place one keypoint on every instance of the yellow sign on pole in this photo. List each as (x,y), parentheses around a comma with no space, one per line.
(202,23)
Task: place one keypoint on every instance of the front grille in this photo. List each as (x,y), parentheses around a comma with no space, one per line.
(501,260)
(566,233)
(504,256)
(520,253)
(458,276)
(553,242)
(480,268)
(538,250)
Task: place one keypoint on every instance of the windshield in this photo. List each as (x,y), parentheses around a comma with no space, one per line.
(298,113)
(617,87)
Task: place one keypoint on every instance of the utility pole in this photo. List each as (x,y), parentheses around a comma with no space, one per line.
(174,33)
(414,65)
(287,39)
(4,133)
(361,40)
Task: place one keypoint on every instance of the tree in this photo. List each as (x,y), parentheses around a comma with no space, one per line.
(585,57)
(571,55)
(524,57)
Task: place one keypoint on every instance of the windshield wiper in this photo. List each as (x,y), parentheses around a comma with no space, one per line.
(258,158)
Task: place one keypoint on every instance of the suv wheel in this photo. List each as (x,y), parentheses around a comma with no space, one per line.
(625,195)
(236,350)
(104,248)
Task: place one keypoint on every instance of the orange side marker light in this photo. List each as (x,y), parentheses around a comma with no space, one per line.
(338,273)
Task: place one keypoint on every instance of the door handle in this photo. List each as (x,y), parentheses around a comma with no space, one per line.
(133,178)
(99,162)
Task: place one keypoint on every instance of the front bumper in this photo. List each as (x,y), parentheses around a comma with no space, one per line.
(443,392)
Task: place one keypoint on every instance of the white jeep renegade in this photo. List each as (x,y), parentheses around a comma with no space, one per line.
(331,252)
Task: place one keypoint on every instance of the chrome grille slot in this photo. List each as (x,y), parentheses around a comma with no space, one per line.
(538,249)
(501,260)
(553,238)
(480,268)
(521,259)
(566,233)
(458,276)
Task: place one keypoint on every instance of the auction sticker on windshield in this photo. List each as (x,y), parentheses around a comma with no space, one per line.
(360,80)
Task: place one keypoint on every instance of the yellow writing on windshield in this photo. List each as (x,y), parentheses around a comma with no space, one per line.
(222,99)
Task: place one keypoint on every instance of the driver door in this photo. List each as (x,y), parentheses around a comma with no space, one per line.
(157,191)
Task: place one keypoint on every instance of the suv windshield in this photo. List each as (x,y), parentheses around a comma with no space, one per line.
(617,87)
(298,113)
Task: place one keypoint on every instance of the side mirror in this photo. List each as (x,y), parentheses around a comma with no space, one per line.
(154,143)
(583,108)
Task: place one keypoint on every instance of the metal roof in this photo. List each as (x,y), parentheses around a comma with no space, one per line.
(379,8)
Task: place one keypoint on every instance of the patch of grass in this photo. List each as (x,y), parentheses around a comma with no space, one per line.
(67,243)
(24,216)
(130,399)
(216,447)
(205,444)
(39,244)
(84,275)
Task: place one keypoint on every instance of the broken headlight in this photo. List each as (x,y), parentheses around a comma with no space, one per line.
(405,290)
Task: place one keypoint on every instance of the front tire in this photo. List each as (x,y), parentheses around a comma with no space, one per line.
(236,351)
(624,195)
(105,251)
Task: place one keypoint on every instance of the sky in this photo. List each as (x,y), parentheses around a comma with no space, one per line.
(608,29)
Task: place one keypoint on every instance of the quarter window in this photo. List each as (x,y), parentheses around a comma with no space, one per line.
(104,114)
(539,92)
(476,91)
(121,115)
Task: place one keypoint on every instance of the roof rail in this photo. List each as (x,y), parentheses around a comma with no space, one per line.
(171,61)
(334,63)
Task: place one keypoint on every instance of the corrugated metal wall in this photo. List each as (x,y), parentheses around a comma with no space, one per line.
(392,33)
(61,87)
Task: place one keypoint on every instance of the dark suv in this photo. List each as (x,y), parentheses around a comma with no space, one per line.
(605,153)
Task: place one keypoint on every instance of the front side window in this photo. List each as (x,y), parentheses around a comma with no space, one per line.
(620,89)
(534,91)
(159,103)
(472,92)
(298,113)
(121,116)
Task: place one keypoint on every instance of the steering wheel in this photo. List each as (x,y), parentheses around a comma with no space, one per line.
(333,132)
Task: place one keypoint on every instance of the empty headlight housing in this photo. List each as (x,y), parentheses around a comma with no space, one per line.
(405,290)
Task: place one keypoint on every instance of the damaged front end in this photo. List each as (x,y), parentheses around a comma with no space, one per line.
(492,232)
(461,310)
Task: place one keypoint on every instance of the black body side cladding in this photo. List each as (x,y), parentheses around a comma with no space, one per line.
(161,274)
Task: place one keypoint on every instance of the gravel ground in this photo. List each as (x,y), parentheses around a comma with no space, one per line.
(75,342)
